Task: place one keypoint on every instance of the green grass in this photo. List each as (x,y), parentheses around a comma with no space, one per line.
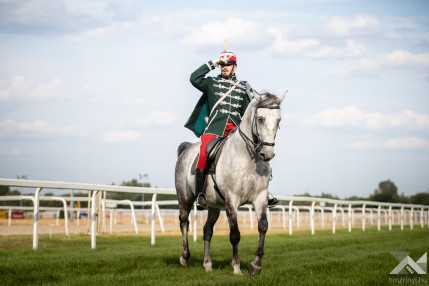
(324,259)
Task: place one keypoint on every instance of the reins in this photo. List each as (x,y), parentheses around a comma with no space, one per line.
(254,145)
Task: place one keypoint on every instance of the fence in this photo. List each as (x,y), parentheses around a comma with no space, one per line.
(296,209)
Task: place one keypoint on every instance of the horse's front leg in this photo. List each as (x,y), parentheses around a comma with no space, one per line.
(234,236)
(260,205)
(212,216)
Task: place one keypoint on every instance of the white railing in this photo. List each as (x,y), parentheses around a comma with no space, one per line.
(293,205)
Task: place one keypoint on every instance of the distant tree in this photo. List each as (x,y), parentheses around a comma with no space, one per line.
(357,198)
(329,196)
(306,194)
(4,190)
(131,196)
(420,198)
(387,192)
(404,199)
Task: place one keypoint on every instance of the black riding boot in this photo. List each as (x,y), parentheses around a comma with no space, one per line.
(200,177)
(272,201)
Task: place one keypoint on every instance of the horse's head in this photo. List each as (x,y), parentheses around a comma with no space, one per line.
(264,119)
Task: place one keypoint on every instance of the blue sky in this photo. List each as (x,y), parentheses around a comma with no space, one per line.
(98,91)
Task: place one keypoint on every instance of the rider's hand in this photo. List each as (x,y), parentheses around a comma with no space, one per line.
(216,62)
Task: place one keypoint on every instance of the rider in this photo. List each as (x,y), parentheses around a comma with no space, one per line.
(224,113)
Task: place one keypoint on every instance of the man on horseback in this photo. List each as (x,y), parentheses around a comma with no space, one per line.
(221,106)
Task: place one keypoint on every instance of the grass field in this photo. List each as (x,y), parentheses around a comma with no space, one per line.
(324,259)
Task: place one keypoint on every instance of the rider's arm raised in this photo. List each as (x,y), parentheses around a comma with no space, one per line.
(198,78)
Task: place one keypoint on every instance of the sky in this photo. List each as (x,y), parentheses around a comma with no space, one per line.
(99,91)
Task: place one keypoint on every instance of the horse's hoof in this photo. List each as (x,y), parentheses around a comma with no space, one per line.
(236,269)
(208,266)
(183,261)
(254,269)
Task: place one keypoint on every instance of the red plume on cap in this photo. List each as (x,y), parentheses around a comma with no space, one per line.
(228,58)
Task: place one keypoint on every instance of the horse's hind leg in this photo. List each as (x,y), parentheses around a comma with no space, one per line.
(184,227)
(212,216)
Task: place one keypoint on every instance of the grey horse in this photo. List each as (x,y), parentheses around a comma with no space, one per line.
(242,176)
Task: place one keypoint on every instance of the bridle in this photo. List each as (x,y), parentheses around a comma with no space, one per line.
(255,144)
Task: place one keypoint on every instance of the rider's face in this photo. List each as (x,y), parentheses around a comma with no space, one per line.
(227,70)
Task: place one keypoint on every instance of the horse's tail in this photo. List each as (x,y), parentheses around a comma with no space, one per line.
(182,147)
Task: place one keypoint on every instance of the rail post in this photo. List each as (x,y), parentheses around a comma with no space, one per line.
(66,222)
(412,218)
(57,218)
(379,217)
(94,220)
(297,217)
(152,222)
(133,218)
(161,220)
(290,217)
(363,217)
(334,218)
(36,218)
(401,216)
(390,217)
(371,216)
(427,217)
(111,221)
(322,214)
(350,217)
(312,217)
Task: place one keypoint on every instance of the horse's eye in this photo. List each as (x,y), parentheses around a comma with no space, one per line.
(261,119)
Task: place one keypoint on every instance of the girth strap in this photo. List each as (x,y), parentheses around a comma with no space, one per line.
(217,188)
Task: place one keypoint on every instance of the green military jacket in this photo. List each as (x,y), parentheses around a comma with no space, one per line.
(231,108)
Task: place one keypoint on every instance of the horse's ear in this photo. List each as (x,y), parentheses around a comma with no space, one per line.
(282,97)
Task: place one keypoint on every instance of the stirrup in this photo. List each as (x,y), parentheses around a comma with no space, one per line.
(272,201)
(201,202)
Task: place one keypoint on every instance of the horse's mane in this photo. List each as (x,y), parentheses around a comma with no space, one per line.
(268,100)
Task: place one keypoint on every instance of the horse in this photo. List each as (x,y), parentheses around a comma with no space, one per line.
(242,175)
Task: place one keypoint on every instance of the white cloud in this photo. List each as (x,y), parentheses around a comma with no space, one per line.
(389,61)
(352,116)
(116,28)
(406,143)
(236,30)
(352,25)
(401,58)
(352,49)
(65,16)
(20,87)
(122,136)
(400,143)
(283,45)
(10,127)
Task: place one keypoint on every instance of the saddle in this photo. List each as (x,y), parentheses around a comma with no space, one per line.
(213,151)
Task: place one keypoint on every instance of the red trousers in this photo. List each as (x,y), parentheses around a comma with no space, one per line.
(206,138)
